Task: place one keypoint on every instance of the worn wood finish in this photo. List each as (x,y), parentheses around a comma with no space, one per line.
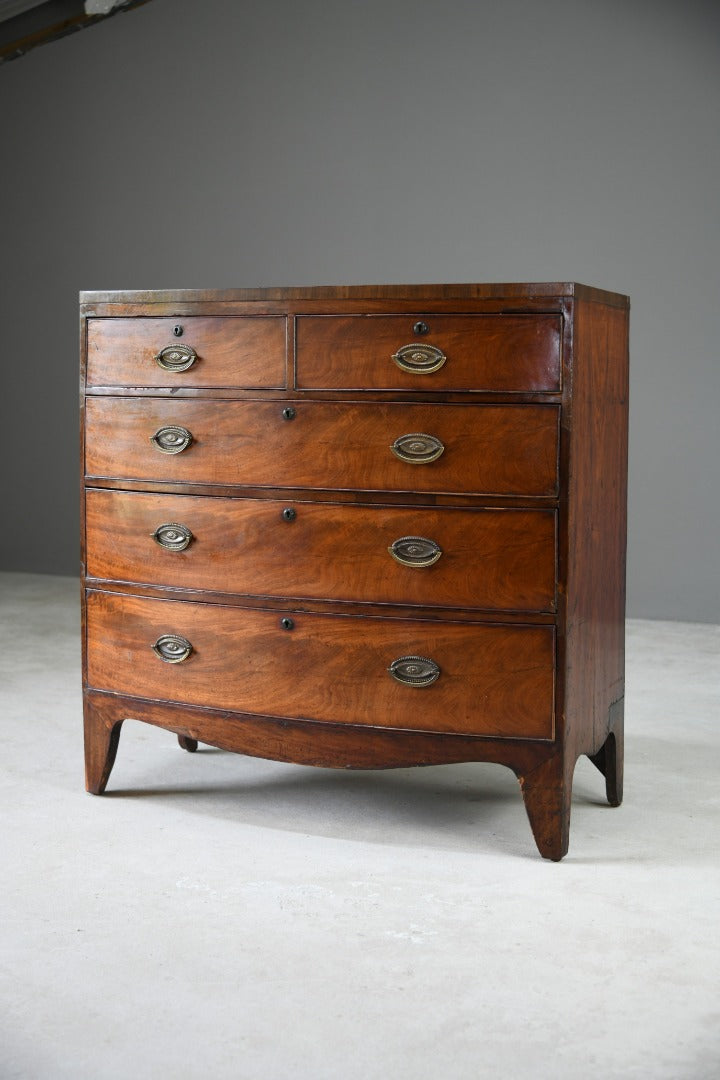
(231,351)
(518,295)
(102,736)
(491,559)
(494,680)
(503,449)
(318,495)
(518,353)
(544,443)
(547,793)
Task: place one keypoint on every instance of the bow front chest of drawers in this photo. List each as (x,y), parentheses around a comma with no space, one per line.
(360,527)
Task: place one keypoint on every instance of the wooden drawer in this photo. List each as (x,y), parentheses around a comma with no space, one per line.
(488,449)
(493,680)
(510,353)
(490,559)
(238,351)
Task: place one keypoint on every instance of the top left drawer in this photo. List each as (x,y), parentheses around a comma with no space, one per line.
(231,350)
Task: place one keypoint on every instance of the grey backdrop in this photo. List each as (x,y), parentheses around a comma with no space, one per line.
(230,143)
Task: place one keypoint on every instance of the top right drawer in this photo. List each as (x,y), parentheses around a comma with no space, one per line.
(501,353)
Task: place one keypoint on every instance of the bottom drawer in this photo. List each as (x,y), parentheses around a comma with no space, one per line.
(489,680)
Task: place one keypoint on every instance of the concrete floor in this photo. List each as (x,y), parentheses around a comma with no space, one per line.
(217,916)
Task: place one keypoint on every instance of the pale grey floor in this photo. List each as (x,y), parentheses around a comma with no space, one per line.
(216,916)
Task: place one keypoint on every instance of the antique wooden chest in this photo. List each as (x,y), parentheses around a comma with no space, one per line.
(363,527)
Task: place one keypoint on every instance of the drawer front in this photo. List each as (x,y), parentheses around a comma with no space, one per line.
(485,449)
(238,351)
(485,559)
(507,353)
(491,680)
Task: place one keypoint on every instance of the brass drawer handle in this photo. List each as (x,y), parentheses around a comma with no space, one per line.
(172,439)
(417,448)
(417,671)
(415,551)
(419,359)
(172,537)
(176,358)
(172,648)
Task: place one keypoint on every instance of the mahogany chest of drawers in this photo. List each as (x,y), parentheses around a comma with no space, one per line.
(360,527)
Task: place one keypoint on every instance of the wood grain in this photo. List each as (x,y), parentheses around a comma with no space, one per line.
(491,559)
(306,742)
(535,430)
(596,530)
(484,352)
(245,351)
(517,293)
(494,449)
(495,680)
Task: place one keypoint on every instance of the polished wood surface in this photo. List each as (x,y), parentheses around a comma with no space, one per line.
(596,530)
(502,449)
(494,680)
(306,742)
(535,435)
(484,352)
(231,351)
(491,559)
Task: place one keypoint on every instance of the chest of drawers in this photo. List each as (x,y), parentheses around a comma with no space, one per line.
(360,527)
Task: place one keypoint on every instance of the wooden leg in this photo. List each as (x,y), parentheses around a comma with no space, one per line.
(547,792)
(102,735)
(609,760)
(187,743)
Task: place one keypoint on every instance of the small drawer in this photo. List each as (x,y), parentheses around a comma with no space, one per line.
(388,673)
(232,351)
(465,449)
(503,353)
(479,559)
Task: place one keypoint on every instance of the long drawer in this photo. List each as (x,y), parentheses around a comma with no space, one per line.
(392,673)
(212,351)
(481,559)
(473,449)
(510,353)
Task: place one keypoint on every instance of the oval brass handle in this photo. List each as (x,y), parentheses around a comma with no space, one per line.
(172,648)
(419,358)
(417,671)
(415,551)
(172,439)
(172,537)
(176,357)
(417,448)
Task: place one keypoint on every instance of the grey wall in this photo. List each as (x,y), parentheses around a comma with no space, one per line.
(336,142)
